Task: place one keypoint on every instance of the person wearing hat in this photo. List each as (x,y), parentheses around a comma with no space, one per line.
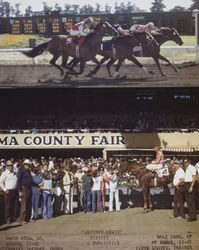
(179,191)
(190,179)
(8,183)
(148,27)
(24,186)
(83,28)
(87,184)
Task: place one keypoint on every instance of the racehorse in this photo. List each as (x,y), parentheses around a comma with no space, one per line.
(147,180)
(58,46)
(121,48)
(152,49)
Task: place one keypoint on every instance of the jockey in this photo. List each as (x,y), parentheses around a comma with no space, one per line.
(83,28)
(156,164)
(149,27)
(122,29)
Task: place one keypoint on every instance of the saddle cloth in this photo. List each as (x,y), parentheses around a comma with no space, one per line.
(164,171)
(137,50)
(74,41)
(107,45)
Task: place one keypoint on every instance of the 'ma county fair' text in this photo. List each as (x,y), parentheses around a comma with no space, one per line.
(62,140)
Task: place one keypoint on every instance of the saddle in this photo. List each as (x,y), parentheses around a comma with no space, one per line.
(74,42)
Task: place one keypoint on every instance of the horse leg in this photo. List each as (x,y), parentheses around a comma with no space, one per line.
(159,67)
(82,66)
(53,62)
(150,203)
(134,60)
(109,64)
(117,67)
(145,196)
(166,60)
(95,70)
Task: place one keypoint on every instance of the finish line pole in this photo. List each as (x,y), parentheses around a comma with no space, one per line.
(196,14)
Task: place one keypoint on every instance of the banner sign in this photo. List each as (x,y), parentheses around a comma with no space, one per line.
(98,140)
(31,141)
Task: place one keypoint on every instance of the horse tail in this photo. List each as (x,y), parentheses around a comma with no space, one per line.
(38,50)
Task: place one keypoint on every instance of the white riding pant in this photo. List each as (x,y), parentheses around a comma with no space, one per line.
(154,166)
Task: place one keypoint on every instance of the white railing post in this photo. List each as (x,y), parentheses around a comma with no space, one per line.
(196,13)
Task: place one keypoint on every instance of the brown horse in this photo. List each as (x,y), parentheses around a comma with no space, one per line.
(120,48)
(58,46)
(147,180)
(150,49)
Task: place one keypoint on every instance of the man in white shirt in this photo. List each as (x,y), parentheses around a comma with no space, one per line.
(197,185)
(190,178)
(114,192)
(8,183)
(179,193)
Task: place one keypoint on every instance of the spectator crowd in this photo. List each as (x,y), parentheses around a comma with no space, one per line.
(135,121)
(46,187)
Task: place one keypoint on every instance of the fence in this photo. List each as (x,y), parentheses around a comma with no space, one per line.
(177,54)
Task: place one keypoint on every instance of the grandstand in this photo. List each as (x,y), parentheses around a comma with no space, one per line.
(133,114)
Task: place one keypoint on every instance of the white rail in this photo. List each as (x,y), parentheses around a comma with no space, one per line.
(174,53)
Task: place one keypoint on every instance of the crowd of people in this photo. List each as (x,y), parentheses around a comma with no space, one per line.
(46,187)
(50,184)
(136,121)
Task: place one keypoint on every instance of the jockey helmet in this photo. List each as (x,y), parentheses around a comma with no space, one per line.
(150,25)
(89,21)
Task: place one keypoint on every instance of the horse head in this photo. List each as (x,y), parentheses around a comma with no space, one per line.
(171,34)
(105,28)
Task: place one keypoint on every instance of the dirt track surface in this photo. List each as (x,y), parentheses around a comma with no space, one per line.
(46,76)
(128,229)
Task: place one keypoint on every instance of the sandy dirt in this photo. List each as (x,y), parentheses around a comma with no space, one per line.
(46,76)
(128,229)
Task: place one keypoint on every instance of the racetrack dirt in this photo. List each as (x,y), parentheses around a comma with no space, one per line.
(46,76)
(128,229)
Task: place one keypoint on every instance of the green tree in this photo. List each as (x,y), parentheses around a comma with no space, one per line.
(46,7)
(57,7)
(67,7)
(195,5)
(107,9)
(86,9)
(157,6)
(5,9)
(17,9)
(97,8)
(126,8)
(178,9)
(75,8)
(28,11)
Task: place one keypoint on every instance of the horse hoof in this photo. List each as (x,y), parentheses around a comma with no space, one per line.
(145,210)
(151,72)
(116,75)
